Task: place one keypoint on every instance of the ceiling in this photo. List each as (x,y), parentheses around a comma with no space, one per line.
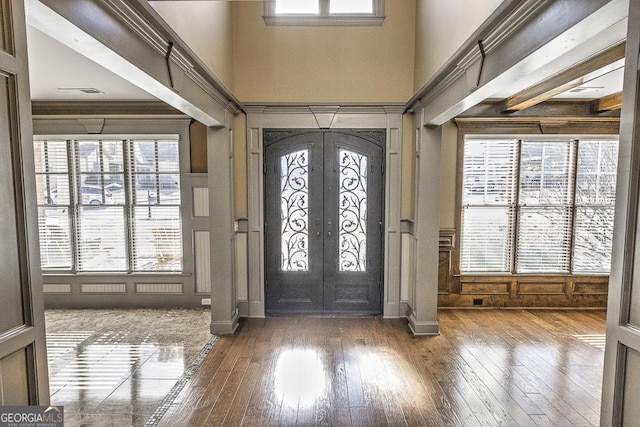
(58,73)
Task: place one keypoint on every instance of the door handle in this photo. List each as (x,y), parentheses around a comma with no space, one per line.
(329,229)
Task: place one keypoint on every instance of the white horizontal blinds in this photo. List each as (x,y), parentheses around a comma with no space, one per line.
(489,187)
(101,238)
(595,199)
(52,191)
(486,240)
(100,212)
(156,231)
(157,242)
(545,206)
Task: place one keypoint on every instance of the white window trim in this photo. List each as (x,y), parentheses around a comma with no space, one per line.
(323,18)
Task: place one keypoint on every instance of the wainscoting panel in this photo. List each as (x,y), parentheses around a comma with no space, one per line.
(551,288)
(584,288)
(516,290)
(159,288)
(56,288)
(484,288)
(103,288)
(202,254)
(200,202)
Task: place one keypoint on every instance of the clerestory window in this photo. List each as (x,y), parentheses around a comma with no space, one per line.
(324,12)
(109,204)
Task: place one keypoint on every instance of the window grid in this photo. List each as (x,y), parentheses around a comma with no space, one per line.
(577,236)
(89,208)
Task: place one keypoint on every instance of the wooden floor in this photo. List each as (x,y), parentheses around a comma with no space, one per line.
(488,367)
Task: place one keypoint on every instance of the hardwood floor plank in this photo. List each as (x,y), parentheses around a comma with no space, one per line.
(238,406)
(228,393)
(232,350)
(182,408)
(487,368)
(268,349)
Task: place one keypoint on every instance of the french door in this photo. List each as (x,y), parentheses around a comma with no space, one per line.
(23,359)
(323,221)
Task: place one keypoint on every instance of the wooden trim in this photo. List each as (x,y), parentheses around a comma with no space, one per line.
(551,117)
(573,110)
(522,290)
(585,71)
(607,103)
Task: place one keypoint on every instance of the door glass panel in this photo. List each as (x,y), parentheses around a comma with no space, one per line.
(352,208)
(294,211)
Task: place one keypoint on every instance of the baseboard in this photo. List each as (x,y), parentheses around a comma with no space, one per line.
(423,328)
(243,308)
(224,327)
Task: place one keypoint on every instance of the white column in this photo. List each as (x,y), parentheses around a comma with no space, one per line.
(423,317)
(224,315)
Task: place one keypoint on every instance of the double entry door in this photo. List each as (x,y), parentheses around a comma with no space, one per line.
(323,221)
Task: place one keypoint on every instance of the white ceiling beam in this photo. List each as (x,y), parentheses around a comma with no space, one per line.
(523,42)
(118,37)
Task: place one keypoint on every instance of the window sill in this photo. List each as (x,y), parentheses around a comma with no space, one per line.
(502,274)
(315,20)
(116,274)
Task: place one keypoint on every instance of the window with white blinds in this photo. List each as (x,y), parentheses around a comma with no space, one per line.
(109,205)
(488,211)
(595,200)
(537,205)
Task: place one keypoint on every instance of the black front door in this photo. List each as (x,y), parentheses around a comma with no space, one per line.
(323,221)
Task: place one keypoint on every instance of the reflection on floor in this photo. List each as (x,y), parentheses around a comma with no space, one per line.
(115,367)
(486,368)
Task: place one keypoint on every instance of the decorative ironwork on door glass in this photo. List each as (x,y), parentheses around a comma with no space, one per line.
(353,211)
(294,211)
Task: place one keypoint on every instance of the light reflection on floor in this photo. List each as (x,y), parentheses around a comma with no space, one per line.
(596,340)
(299,377)
(114,367)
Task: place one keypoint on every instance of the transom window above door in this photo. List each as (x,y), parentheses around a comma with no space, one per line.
(324,12)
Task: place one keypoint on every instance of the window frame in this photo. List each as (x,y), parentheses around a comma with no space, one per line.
(464,135)
(74,205)
(324,17)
